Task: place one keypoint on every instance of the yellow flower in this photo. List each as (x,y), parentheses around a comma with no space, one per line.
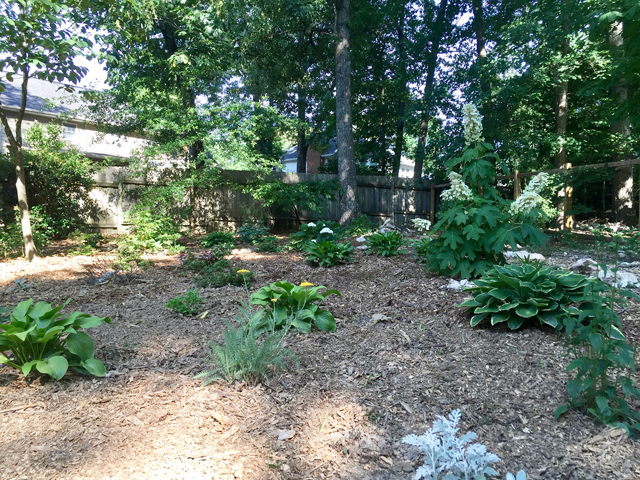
(306,284)
(243,271)
(274,299)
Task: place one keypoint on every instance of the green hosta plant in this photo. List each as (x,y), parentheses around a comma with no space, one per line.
(249,232)
(385,244)
(282,300)
(327,253)
(523,293)
(218,238)
(323,230)
(187,304)
(38,336)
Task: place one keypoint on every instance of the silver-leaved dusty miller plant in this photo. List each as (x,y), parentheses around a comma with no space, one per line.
(456,458)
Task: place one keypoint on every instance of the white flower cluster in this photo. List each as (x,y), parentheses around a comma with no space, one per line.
(530,196)
(458,191)
(311,224)
(421,224)
(326,230)
(472,122)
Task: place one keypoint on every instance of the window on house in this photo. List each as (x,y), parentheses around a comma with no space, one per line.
(68,131)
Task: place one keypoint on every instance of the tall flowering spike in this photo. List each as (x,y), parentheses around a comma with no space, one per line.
(530,196)
(459,190)
(472,122)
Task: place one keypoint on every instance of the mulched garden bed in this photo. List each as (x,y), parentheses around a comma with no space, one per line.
(402,354)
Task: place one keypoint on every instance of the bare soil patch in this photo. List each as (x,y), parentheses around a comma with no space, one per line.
(341,415)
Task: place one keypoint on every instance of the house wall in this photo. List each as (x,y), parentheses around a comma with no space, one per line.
(86,137)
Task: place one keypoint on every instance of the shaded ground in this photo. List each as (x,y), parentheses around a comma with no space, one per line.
(357,393)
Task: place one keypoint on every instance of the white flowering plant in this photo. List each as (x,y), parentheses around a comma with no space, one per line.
(421,224)
(322,230)
(478,226)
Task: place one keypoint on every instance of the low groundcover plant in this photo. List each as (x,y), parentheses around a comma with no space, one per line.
(187,304)
(41,337)
(327,253)
(385,244)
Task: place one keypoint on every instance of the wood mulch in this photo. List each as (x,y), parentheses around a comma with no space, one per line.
(402,354)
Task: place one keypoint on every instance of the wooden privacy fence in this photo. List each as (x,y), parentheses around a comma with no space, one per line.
(380,198)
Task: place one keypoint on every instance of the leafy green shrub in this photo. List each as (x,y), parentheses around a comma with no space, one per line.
(421,248)
(250,232)
(267,244)
(197,262)
(218,238)
(520,293)
(38,336)
(327,253)
(603,359)
(150,232)
(283,300)
(385,244)
(321,231)
(187,304)
(221,273)
(248,355)
(475,230)
(11,242)
(88,242)
(360,226)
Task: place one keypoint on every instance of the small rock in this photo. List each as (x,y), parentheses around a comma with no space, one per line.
(458,285)
(582,264)
(362,247)
(623,279)
(523,255)
(286,435)
(361,239)
(378,317)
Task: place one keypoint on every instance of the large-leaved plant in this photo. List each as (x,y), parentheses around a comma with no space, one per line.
(39,336)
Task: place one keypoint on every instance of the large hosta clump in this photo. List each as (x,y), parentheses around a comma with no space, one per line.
(530,292)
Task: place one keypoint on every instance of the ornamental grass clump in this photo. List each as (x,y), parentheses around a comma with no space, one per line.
(474,232)
(519,294)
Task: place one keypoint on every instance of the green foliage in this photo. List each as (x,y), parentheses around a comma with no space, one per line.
(218,238)
(221,273)
(59,180)
(267,244)
(87,243)
(249,232)
(421,248)
(474,232)
(248,354)
(518,294)
(360,226)
(312,197)
(283,300)
(327,253)
(385,244)
(187,304)
(11,242)
(197,262)
(312,231)
(603,360)
(39,336)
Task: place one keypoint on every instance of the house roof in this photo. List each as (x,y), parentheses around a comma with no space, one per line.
(291,154)
(42,96)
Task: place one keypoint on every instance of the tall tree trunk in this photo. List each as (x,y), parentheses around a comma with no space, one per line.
(623,177)
(15,147)
(560,157)
(402,76)
(346,161)
(432,61)
(302,142)
(481,49)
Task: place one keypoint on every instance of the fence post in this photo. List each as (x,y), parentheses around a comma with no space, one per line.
(119,200)
(516,185)
(567,203)
(432,204)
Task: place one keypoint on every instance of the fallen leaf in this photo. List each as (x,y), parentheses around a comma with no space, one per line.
(286,434)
